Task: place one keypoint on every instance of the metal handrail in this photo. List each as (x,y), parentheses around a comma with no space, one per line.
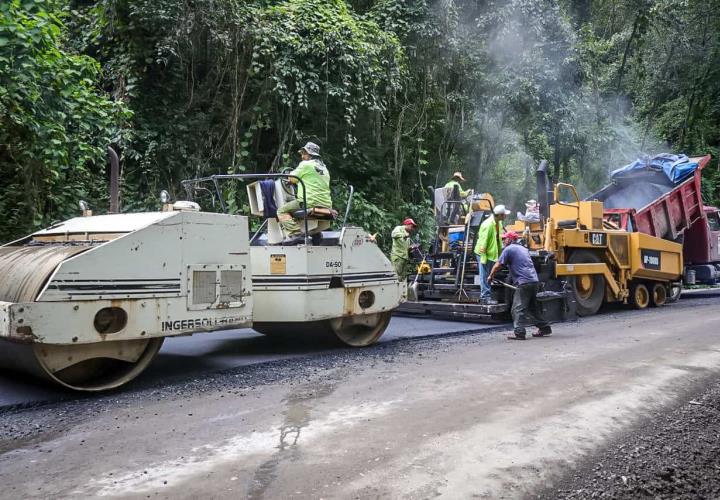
(572,190)
(220,177)
(262,226)
(349,204)
(576,205)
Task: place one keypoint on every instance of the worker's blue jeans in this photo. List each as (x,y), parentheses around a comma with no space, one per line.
(484,272)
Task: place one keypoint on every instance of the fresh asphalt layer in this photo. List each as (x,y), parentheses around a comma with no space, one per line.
(191,357)
(187,358)
(447,416)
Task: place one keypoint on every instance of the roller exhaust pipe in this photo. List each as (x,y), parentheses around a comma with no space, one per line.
(114,180)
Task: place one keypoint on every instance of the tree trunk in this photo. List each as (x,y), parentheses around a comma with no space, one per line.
(636,25)
(656,99)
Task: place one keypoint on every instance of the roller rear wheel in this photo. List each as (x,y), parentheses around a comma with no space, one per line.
(355,331)
(361,330)
(589,289)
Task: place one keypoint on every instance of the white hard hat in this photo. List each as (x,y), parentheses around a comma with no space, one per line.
(500,210)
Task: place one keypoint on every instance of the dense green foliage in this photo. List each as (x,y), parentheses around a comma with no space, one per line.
(399,93)
(55,124)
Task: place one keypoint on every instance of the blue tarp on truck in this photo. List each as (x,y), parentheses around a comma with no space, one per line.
(677,168)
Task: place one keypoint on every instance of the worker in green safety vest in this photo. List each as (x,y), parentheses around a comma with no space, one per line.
(488,247)
(400,253)
(455,181)
(316,179)
(454,210)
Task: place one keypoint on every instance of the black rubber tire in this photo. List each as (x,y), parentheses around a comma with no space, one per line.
(640,296)
(587,303)
(658,295)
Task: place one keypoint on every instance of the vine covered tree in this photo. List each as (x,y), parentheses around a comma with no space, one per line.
(398,93)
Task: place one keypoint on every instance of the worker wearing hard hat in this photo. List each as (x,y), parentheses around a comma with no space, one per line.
(457,178)
(399,255)
(487,249)
(315,183)
(523,275)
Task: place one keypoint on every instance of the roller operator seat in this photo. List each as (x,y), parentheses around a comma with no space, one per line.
(319,218)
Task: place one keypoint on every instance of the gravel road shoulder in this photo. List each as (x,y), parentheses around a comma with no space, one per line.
(672,455)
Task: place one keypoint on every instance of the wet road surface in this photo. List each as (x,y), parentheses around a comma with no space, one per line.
(454,416)
(188,357)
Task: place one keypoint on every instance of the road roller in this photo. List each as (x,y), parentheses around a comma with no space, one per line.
(88,302)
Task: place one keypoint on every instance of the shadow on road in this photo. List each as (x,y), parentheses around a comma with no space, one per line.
(180,358)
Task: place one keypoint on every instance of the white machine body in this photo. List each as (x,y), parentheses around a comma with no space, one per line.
(171,273)
(317,282)
(87,303)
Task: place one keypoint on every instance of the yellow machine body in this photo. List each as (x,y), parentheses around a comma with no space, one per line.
(634,267)
(589,213)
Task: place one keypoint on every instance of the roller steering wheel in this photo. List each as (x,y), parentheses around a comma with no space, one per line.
(287,186)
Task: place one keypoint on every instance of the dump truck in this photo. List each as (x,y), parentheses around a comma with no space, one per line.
(86,303)
(579,258)
(646,200)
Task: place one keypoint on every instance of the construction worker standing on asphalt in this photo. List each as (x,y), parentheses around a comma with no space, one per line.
(487,249)
(399,255)
(523,275)
(316,179)
(457,178)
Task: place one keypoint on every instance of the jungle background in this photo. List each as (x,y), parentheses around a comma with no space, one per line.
(398,93)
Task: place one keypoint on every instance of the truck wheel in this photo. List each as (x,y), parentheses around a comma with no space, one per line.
(675,292)
(589,289)
(639,296)
(659,295)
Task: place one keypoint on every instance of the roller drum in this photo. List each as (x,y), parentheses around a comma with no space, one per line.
(84,367)
(95,369)
(355,331)
(25,270)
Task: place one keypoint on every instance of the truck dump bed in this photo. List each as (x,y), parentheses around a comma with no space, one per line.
(649,202)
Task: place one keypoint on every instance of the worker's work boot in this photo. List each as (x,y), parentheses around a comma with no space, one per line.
(518,334)
(293,239)
(543,331)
